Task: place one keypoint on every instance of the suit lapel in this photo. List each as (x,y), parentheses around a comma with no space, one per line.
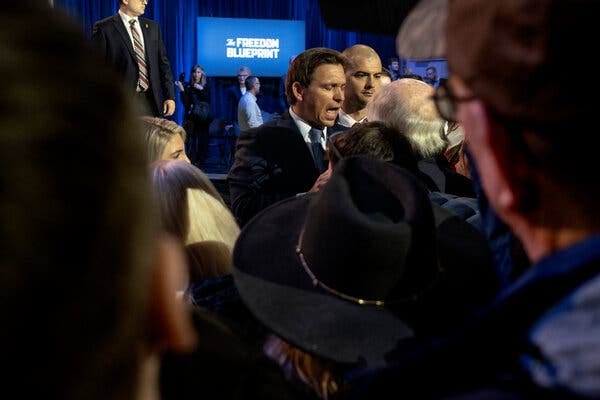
(145,28)
(118,22)
(286,121)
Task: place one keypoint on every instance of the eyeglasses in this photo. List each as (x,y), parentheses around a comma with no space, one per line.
(446,101)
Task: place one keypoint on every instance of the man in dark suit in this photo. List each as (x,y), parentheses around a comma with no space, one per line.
(115,37)
(282,157)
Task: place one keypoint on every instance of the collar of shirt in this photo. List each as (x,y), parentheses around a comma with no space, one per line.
(250,94)
(346,120)
(560,262)
(305,128)
(126,18)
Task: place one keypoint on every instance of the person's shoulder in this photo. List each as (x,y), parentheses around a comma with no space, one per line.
(149,22)
(466,208)
(277,126)
(150,25)
(106,21)
(281,122)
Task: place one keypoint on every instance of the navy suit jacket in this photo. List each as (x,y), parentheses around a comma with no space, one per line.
(114,43)
(233,96)
(272,162)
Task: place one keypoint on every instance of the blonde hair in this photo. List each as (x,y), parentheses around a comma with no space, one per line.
(203,79)
(217,223)
(159,132)
(193,210)
(406,105)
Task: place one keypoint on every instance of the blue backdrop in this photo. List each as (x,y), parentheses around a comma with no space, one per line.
(177,19)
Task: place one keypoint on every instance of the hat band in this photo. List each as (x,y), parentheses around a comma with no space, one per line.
(317,283)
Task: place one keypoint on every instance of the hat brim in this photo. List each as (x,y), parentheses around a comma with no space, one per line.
(279,292)
(275,287)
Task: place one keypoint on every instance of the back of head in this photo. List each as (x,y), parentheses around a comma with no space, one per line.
(302,68)
(193,210)
(75,218)
(250,81)
(516,56)
(406,105)
(158,133)
(373,139)
(412,75)
(515,63)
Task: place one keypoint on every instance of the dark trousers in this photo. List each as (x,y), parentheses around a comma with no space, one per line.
(145,104)
(196,143)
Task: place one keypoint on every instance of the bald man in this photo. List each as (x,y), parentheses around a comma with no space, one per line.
(363,80)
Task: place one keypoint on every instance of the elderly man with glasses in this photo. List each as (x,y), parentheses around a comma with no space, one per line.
(528,127)
(233,95)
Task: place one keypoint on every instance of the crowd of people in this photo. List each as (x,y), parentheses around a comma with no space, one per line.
(427,238)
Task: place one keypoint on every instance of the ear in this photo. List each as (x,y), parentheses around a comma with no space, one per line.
(170,319)
(298,90)
(506,175)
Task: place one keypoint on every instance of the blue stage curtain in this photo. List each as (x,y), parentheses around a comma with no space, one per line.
(177,19)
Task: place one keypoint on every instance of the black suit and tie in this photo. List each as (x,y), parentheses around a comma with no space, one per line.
(272,162)
(112,39)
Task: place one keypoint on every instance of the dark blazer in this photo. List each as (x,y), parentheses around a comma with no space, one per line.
(441,177)
(112,40)
(233,96)
(272,162)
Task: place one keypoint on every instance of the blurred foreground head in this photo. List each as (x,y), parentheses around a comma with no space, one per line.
(75,228)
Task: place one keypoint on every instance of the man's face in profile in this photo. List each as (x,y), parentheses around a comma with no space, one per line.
(135,8)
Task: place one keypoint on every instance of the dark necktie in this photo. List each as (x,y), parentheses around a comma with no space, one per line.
(317,148)
(140,57)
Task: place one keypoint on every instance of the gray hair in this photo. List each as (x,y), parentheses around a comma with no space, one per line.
(406,105)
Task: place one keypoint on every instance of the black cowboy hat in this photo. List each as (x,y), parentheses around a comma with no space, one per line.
(349,272)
